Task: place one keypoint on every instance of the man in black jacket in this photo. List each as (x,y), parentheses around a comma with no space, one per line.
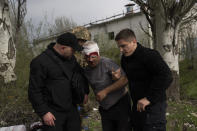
(149,77)
(50,85)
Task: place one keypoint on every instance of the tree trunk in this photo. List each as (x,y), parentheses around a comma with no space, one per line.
(167,45)
(7,47)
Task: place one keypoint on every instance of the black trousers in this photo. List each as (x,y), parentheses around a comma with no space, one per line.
(65,121)
(117,118)
(153,119)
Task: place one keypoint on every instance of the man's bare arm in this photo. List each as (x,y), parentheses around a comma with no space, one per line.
(120,83)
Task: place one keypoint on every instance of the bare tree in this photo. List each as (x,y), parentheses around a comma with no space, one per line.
(61,24)
(7,47)
(18,11)
(165,17)
(31,31)
(47,28)
(7,41)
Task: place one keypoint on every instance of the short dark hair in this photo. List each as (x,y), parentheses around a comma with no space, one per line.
(125,34)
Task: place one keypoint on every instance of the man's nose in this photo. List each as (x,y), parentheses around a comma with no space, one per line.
(90,59)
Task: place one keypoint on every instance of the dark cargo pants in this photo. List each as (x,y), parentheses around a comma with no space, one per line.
(65,121)
(117,118)
(153,119)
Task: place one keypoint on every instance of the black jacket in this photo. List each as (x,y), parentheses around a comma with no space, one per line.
(149,76)
(50,82)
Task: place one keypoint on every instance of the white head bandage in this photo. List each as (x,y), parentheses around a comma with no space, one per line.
(90,47)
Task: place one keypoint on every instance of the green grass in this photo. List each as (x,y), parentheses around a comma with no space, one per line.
(188,80)
(181,116)
(15,108)
(92,124)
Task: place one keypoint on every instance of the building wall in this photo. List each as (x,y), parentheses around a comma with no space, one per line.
(131,21)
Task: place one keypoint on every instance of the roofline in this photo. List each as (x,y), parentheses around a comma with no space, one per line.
(50,36)
(90,26)
(125,16)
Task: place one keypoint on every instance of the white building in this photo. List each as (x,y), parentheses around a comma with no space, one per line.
(134,21)
(109,27)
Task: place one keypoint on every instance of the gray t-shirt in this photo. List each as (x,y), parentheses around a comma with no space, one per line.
(100,77)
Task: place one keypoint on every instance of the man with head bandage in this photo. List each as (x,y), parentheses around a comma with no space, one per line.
(112,95)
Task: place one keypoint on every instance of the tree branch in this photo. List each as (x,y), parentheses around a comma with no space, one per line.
(146,9)
(146,32)
(185,10)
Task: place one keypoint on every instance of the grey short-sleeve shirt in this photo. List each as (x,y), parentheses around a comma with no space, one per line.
(100,77)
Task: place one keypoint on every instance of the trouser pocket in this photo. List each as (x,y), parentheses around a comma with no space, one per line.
(156,114)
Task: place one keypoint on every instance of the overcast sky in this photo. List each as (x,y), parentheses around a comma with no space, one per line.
(81,11)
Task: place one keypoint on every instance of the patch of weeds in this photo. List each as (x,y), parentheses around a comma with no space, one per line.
(181,116)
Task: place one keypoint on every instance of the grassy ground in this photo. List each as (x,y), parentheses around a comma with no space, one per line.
(15,108)
(181,116)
